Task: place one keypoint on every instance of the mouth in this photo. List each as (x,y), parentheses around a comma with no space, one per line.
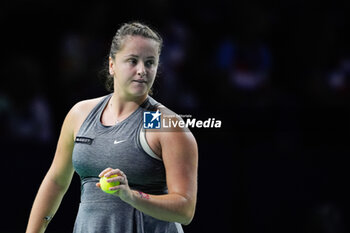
(140,81)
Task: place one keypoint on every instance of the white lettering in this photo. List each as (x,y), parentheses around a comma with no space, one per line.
(174,123)
(164,123)
(206,123)
(181,124)
(218,124)
(199,124)
(191,123)
(209,123)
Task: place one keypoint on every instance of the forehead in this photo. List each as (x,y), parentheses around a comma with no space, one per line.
(139,45)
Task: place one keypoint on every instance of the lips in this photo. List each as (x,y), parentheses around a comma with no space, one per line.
(140,81)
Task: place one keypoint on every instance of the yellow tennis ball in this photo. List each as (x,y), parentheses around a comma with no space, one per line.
(105,185)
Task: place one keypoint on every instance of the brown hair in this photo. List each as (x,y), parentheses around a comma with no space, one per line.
(129,29)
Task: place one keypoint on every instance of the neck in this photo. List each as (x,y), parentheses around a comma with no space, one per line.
(122,107)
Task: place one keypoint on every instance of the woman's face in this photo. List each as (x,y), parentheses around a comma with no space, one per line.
(134,67)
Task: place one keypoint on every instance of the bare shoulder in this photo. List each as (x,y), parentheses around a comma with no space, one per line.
(166,111)
(80,111)
(170,134)
(173,127)
(85,106)
(178,145)
(171,121)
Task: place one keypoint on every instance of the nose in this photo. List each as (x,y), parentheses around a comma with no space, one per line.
(141,71)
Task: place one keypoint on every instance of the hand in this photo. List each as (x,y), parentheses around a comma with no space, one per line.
(123,190)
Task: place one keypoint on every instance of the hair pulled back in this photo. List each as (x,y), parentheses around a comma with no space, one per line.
(129,29)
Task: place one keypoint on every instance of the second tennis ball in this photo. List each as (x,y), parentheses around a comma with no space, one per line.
(105,185)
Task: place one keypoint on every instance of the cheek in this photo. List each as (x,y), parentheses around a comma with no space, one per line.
(124,72)
(152,76)
(153,72)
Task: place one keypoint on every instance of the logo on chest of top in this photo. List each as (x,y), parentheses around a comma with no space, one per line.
(151,120)
(84,140)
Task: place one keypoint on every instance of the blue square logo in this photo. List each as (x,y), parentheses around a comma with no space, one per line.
(151,120)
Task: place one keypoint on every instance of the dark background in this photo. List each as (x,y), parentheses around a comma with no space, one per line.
(276,74)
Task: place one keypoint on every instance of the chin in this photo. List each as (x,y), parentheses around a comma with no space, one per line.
(138,94)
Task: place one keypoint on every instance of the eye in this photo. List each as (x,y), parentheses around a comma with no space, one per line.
(149,63)
(132,61)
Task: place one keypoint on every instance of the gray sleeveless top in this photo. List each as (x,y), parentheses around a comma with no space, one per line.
(98,147)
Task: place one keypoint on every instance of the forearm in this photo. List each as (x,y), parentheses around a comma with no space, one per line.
(46,203)
(167,207)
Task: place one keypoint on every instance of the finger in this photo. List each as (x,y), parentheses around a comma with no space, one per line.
(121,179)
(98,185)
(118,187)
(114,172)
(103,173)
(114,188)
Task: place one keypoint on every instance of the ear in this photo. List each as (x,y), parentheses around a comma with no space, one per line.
(111,66)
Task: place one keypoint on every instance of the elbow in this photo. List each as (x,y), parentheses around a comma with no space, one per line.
(188,215)
(187,218)
(60,186)
(186,221)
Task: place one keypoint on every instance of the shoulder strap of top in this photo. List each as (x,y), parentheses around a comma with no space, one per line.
(149,105)
(95,112)
(145,146)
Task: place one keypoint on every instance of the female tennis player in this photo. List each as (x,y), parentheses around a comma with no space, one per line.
(106,136)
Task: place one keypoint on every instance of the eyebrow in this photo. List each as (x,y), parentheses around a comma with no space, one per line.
(133,55)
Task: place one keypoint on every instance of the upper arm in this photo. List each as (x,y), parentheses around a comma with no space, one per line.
(177,148)
(180,157)
(61,170)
